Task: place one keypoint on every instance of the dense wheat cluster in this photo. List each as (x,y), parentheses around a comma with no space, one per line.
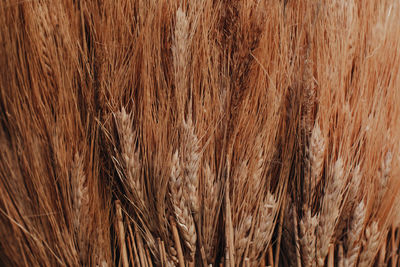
(199,133)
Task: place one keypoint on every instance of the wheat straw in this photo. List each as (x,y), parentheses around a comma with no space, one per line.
(121,232)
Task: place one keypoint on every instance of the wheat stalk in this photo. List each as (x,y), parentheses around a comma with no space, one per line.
(121,234)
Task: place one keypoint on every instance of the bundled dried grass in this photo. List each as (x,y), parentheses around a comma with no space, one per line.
(164,133)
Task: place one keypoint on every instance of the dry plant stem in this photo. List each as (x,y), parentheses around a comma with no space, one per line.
(246,262)
(160,249)
(397,244)
(331,255)
(393,245)
(203,255)
(149,261)
(130,250)
(141,252)
(296,236)
(280,226)
(177,244)
(382,254)
(230,261)
(270,256)
(340,256)
(136,262)
(121,232)
(164,252)
(262,262)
